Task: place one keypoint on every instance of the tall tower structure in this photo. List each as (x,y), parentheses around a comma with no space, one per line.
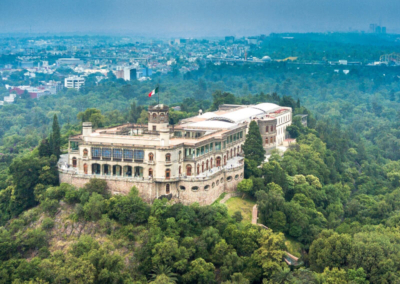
(158,118)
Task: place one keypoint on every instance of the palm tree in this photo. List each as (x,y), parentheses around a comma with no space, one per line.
(166,272)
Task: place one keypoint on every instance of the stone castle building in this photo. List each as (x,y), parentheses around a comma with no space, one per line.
(194,161)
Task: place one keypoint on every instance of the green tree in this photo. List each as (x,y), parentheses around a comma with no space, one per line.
(56,138)
(253,146)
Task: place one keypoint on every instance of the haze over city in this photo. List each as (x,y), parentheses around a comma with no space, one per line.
(156,18)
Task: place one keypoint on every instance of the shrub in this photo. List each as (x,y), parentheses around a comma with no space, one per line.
(50,206)
(97,185)
(47,223)
(237,216)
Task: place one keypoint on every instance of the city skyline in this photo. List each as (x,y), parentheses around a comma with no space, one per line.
(207,18)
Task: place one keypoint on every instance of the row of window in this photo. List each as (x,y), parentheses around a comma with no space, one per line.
(206,187)
(269,128)
(118,154)
(270,140)
(284,119)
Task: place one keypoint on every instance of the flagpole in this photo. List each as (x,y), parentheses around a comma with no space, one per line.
(158,94)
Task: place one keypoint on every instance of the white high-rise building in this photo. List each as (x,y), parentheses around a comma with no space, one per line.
(75,82)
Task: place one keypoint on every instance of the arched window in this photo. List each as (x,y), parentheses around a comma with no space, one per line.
(74,162)
(211,163)
(180,169)
(225,160)
(180,155)
(238,150)
(231,153)
(207,165)
(151,156)
(167,189)
(162,117)
(266,128)
(218,161)
(266,140)
(85,153)
(202,167)
(198,169)
(188,170)
(167,173)
(150,172)
(234,152)
(85,169)
(154,116)
(168,157)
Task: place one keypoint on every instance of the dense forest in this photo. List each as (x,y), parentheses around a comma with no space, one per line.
(335,193)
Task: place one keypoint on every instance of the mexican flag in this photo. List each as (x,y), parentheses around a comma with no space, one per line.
(152,93)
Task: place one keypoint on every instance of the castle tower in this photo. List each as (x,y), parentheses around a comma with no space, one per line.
(158,117)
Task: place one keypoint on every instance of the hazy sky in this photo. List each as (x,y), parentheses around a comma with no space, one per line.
(195,17)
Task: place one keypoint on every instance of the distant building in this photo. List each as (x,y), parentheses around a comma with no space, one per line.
(75,82)
(26,64)
(230,39)
(129,73)
(69,62)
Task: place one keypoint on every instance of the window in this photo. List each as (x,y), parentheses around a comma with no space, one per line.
(74,162)
(168,157)
(217,146)
(180,169)
(189,170)
(106,153)
(167,173)
(182,187)
(213,185)
(197,152)
(138,155)
(151,157)
(150,172)
(229,178)
(211,147)
(117,170)
(217,182)
(154,116)
(234,152)
(128,155)
(266,128)
(85,153)
(96,153)
(167,190)
(202,167)
(117,154)
(241,134)
(195,188)
(206,148)
(107,169)
(211,163)
(96,170)
(154,128)
(162,117)
(198,169)
(206,165)
(85,167)
(218,161)
(224,145)
(266,140)
(202,150)
(138,171)
(236,177)
(128,171)
(207,187)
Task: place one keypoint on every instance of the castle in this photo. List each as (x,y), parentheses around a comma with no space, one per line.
(194,161)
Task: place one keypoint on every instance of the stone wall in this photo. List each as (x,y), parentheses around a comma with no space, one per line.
(208,190)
